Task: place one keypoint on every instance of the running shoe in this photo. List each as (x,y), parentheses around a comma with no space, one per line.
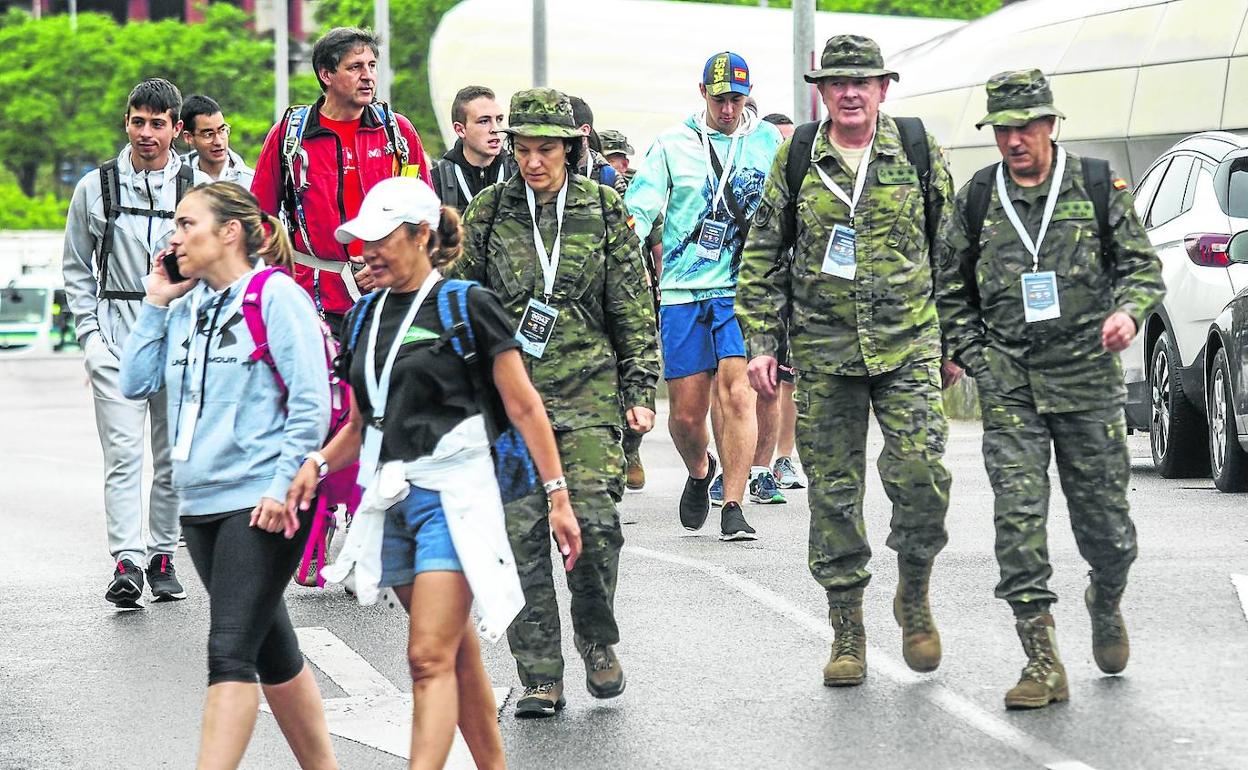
(694,502)
(717,490)
(763,490)
(732,524)
(126,590)
(164,580)
(786,474)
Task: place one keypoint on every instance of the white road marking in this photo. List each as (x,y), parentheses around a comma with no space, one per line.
(1241,587)
(375,713)
(942,697)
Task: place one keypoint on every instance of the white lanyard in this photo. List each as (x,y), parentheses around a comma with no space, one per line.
(717,196)
(589,164)
(463,183)
(549,260)
(860,180)
(1055,188)
(379,391)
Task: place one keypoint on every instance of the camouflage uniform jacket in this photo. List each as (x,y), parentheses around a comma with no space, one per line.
(981,304)
(886,316)
(603,355)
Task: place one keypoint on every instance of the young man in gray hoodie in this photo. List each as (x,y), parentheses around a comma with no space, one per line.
(120,218)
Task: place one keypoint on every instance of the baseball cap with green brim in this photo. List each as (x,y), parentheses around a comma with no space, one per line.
(850,56)
(726,73)
(1017,97)
(541,112)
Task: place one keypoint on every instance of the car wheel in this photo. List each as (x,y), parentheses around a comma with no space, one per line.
(1177,430)
(1227,459)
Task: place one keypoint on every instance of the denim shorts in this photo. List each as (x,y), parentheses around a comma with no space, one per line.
(696,335)
(416,539)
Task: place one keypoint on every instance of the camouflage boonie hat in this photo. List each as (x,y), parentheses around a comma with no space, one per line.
(615,143)
(1017,97)
(850,56)
(541,112)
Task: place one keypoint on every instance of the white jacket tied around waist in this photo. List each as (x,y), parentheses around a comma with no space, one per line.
(461,469)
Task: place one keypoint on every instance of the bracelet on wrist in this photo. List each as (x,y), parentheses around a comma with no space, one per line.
(554,485)
(322,465)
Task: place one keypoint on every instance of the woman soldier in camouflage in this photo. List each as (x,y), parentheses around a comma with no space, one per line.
(558,250)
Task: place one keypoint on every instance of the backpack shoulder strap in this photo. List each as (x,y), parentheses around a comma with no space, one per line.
(385,116)
(795,168)
(447,190)
(914,141)
(362,307)
(977,199)
(186,180)
(1096,177)
(110,199)
(253,316)
(489,227)
(453,314)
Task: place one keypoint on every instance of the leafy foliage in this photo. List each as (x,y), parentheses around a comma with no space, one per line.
(19,212)
(947,9)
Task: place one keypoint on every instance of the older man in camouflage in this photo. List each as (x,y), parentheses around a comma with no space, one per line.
(857,298)
(1045,275)
(596,368)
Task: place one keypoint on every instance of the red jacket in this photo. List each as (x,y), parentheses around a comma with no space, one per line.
(322,201)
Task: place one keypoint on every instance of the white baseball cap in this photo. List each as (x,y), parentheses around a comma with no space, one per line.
(389,204)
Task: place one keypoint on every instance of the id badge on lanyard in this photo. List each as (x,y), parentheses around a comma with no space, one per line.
(841,257)
(537,326)
(1040,298)
(711,239)
(1040,295)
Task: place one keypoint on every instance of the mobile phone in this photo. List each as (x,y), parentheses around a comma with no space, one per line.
(170,260)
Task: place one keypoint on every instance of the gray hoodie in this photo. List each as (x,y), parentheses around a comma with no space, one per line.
(236,169)
(136,241)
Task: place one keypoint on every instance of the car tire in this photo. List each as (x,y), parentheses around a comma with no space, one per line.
(1227,459)
(1177,430)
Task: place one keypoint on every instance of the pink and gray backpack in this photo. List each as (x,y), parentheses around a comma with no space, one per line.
(339,487)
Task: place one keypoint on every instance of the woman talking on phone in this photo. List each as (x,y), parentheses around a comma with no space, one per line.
(238,439)
(420,432)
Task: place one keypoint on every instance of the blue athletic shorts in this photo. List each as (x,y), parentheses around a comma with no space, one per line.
(696,335)
(416,539)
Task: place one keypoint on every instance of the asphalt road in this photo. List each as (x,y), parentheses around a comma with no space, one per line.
(723,643)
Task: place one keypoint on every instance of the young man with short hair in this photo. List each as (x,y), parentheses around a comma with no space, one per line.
(708,171)
(205,131)
(478,158)
(120,219)
(319,161)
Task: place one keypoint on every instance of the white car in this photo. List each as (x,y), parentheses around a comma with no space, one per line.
(1191,199)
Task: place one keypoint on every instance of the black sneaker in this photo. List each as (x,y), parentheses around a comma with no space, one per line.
(163,579)
(540,700)
(695,501)
(732,524)
(126,590)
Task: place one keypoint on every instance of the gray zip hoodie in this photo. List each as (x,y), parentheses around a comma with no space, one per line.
(136,241)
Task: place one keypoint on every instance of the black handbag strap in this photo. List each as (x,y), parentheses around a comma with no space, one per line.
(743,222)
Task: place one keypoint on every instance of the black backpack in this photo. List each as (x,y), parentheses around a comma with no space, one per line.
(913,139)
(110,192)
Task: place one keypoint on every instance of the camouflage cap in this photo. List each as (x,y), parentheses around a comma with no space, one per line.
(541,112)
(1017,97)
(850,56)
(615,143)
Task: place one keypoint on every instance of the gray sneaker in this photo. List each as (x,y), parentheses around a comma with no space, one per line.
(786,474)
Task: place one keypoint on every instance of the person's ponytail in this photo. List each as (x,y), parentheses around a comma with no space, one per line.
(448,241)
(277,250)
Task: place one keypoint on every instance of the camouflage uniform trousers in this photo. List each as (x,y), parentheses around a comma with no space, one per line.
(593,464)
(632,445)
(832,415)
(1094,467)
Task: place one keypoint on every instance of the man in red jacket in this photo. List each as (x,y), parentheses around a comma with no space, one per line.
(319,161)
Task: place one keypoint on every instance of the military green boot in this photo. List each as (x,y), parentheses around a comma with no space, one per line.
(920,641)
(847,665)
(1110,646)
(1043,680)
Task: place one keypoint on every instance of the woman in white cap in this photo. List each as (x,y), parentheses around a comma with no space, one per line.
(431,522)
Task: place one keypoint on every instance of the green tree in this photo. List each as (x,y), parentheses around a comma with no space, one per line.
(409,54)
(947,9)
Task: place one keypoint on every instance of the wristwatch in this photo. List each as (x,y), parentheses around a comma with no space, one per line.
(322,465)
(554,485)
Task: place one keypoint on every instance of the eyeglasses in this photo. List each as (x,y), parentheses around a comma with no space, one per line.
(208,134)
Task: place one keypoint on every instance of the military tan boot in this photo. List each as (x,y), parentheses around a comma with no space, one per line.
(1110,646)
(920,641)
(604,678)
(541,700)
(636,474)
(847,665)
(1043,680)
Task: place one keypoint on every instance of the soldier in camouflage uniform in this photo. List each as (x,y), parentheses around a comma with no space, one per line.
(596,372)
(864,335)
(1039,331)
(614,147)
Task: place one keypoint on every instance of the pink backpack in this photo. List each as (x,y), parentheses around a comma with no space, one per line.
(339,488)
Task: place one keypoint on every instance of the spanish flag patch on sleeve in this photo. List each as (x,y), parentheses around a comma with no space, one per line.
(1120,184)
(632,221)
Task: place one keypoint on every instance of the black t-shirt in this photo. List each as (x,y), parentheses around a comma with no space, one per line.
(430,386)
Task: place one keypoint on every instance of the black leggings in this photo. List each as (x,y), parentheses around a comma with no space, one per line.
(246,571)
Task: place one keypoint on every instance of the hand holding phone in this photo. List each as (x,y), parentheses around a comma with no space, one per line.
(170,261)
